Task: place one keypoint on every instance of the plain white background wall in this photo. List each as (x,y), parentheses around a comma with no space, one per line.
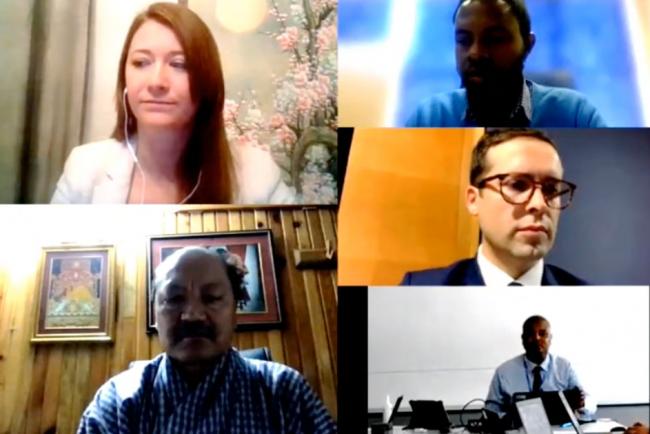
(445,342)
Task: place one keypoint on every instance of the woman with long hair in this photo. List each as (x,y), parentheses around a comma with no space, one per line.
(169,144)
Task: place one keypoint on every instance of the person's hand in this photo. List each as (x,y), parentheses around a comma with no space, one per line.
(637,428)
(575,397)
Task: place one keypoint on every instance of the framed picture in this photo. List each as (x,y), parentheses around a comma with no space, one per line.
(255,248)
(76,296)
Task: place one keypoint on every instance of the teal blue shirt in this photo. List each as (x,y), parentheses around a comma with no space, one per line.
(551,107)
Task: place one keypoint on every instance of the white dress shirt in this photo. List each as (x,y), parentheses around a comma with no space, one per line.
(494,276)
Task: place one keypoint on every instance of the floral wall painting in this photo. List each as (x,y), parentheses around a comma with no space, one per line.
(280,60)
(76,295)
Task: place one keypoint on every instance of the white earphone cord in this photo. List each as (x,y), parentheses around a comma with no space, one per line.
(137,163)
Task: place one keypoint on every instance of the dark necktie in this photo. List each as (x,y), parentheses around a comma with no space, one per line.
(515,283)
(537,378)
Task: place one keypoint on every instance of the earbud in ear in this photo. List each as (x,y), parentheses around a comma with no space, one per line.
(125,91)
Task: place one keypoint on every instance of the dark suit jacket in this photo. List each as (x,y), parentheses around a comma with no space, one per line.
(467,272)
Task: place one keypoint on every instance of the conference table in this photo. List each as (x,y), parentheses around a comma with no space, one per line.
(601,426)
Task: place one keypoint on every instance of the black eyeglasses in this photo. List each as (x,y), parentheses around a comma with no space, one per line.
(518,188)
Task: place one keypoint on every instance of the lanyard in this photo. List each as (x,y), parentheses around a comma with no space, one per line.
(550,366)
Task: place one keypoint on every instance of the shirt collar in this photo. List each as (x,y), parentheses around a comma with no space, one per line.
(544,365)
(523,108)
(169,378)
(494,276)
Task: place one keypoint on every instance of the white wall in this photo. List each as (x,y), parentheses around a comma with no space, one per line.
(111,21)
(445,342)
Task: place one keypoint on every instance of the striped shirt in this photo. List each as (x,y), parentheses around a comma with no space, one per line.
(239,396)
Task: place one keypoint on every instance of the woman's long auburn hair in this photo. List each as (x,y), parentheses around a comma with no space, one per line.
(207,149)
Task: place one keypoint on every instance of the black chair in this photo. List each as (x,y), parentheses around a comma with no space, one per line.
(260,353)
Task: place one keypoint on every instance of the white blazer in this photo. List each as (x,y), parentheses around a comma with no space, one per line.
(100,172)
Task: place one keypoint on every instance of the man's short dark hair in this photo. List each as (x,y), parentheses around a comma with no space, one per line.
(493,137)
(235,270)
(530,322)
(517,8)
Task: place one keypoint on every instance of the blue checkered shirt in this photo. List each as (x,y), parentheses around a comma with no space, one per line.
(238,396)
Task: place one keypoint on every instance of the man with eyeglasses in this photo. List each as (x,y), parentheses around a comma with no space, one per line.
(517,192)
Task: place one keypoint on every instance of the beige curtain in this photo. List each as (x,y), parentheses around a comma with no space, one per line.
(15,19)
(56,93)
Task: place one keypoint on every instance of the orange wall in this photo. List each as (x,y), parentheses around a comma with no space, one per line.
(403,206)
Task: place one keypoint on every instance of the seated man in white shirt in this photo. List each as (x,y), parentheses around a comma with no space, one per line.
(537,371)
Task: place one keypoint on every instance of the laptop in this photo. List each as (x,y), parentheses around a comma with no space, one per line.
(533,416)
(430,415)
(569,411)
(535,420)
(393,413)
(555,409)
(377,428)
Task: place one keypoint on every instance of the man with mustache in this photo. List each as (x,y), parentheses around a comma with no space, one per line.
(517,192)
(536,371)
(200,383)
(493,40)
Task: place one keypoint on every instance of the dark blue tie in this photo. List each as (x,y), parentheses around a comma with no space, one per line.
(537,378)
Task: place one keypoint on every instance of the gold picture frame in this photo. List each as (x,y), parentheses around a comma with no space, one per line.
(76,295)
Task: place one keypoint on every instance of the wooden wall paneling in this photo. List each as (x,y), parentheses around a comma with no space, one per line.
(37,389)
(325,284)
(128,283)
(80,384)
(125,326)
(7,386)
(139,259)
(183,223)
(98,373)
(248,220)
(21,348)
(276,346)
(328,283)
(3,290)
(273,337)
(196,221)
(260,339)
(290,347)
(64,417)
(221,220)
(294,220)
(208,221)
(4,327)
(244,340)
(52,389)
(234,220)
(261,219)
(310,236)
